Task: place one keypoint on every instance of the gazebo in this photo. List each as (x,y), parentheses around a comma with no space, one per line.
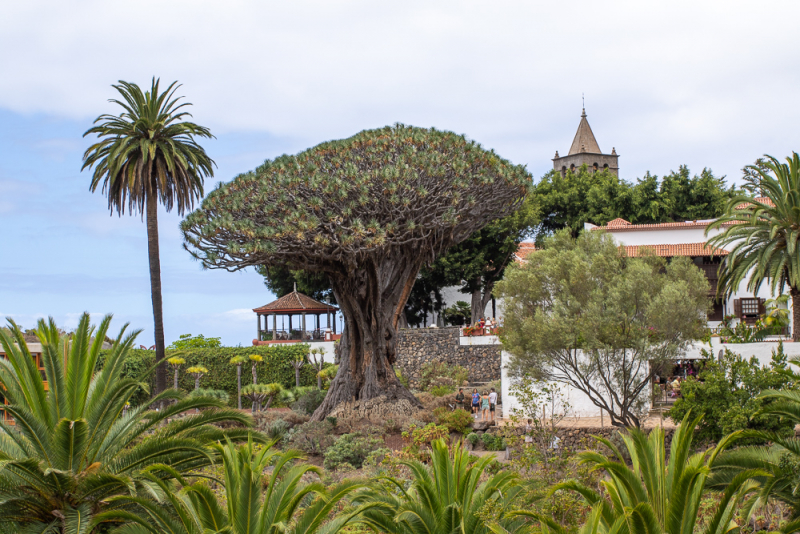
(288,306)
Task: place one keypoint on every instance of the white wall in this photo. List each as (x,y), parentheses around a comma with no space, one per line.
(582,406)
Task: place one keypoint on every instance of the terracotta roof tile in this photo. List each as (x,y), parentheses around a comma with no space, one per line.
(669,251)
(524,250)
(763,200)
(295,302)
(621,225)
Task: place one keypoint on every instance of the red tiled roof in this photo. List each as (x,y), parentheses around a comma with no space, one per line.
(523,251)
(762,200)
(295,302)
(669,251)
(621,225)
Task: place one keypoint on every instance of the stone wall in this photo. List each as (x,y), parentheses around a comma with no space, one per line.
(418,346)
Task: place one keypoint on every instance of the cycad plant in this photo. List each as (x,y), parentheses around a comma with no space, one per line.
(278,502)
(73,447)
(148,155)
(763,235)
(776,467)
(653,495)
(446,498)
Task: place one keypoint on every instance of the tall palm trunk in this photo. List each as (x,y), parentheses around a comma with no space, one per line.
(155,290)
(795,294)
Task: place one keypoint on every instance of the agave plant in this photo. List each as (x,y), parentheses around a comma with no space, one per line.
(254,503)
(446,498)
(74,446)
(654,496)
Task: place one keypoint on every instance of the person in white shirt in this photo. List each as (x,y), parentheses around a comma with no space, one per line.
(492,403)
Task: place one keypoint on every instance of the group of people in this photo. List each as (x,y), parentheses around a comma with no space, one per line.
(482,404)
(487,323)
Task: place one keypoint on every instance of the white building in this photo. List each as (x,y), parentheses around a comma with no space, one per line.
(670,240)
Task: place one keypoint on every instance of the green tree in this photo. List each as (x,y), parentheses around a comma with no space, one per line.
(368,211)
(582,196)
(728,393)
(238,361)
(459,313)
(188,341)
(148,155)
(74,447)
(762,235)
(282,281)
(653,495)
(581,313)
(452,495)
(255,501)
(258,393)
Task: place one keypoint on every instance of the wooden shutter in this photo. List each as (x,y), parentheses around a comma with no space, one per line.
(737,308)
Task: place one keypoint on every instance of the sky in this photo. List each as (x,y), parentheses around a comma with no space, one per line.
(702,83)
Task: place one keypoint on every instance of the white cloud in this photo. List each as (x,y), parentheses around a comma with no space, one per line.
(666,82)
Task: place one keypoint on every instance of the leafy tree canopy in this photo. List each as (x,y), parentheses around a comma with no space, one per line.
(581,313)
(583,196)
(187,341)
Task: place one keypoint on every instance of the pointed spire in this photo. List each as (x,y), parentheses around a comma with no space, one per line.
(295,287)
(584,138)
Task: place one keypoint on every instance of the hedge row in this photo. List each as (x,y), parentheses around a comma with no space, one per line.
(275,367)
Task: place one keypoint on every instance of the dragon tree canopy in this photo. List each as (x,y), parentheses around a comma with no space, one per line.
(368,211)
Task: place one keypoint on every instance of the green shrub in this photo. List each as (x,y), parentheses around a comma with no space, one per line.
(351,449)
(492,442)
(472,437)
(727,393)
(222,375)
(309,402)
(434,374)
(187,341)
(313,437)
(277,429)
(401,377)
(455,420)
(441,391)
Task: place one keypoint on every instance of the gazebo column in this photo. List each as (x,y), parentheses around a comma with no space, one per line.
(303,328)
(258,327)
(274,327)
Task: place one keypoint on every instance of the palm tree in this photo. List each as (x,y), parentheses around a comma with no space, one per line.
(764,234)
(148,155)
(775,465)
(655,496)
(444,499)
(253,503)
(74,446)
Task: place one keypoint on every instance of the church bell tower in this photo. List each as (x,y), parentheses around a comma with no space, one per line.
(585,150)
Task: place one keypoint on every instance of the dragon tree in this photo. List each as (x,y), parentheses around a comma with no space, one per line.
(368,212)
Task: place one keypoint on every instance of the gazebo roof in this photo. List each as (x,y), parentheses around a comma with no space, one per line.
(294,302)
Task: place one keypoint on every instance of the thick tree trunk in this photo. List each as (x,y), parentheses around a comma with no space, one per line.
(155,291)
(795,294)
(476,306)
(372,301)
(239,384)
